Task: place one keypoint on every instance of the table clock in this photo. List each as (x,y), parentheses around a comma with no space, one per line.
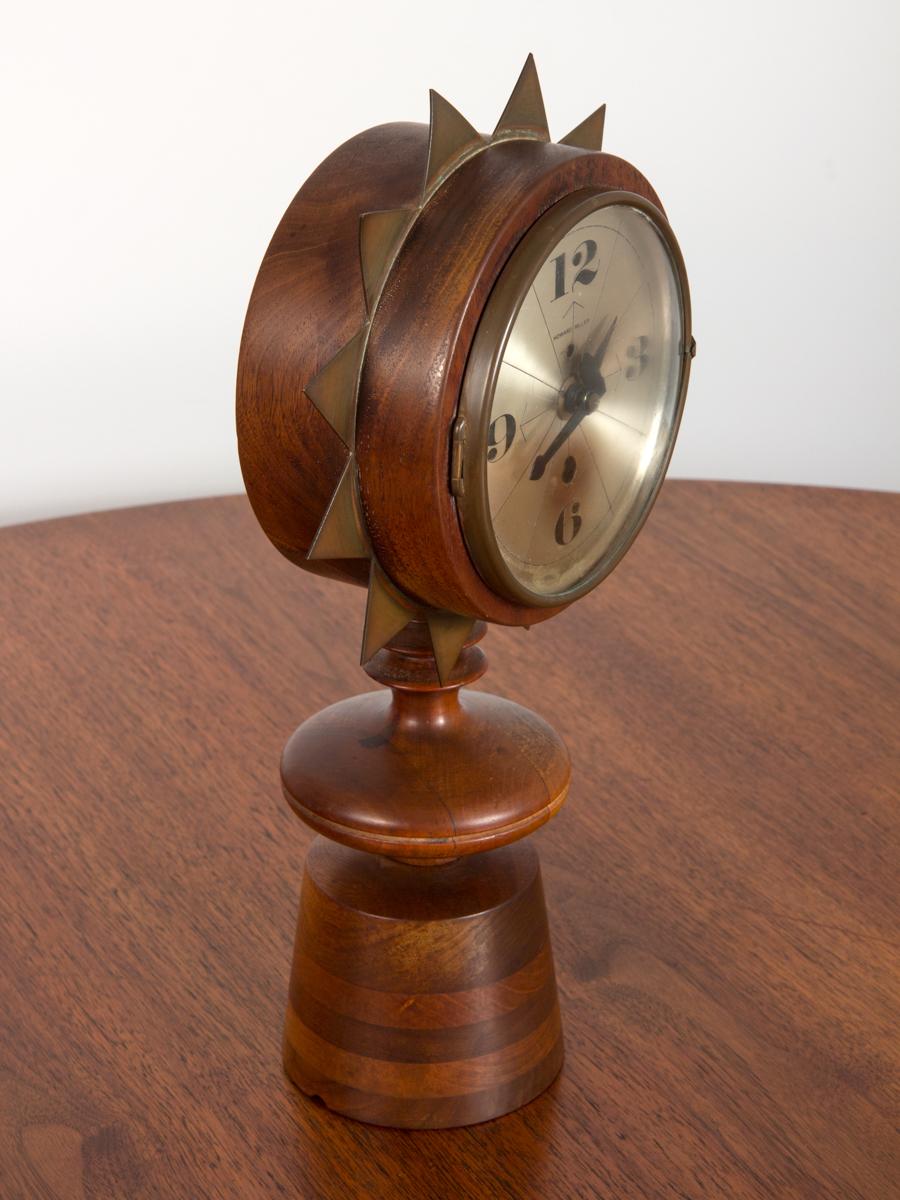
(460,381)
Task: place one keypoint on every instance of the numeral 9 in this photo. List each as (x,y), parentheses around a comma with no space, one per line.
(501,432)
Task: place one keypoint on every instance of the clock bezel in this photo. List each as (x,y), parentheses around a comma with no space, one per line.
(419,343)
(482,370)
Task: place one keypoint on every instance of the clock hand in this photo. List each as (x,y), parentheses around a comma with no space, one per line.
(540,463)
(587,398)
(596,359)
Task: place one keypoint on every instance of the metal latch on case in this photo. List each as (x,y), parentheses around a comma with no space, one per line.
(457,483)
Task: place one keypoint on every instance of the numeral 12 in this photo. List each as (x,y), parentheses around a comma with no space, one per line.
(582,258)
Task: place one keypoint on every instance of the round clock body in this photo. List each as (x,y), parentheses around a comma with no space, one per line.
(444,318)
(427,335)
(572,397)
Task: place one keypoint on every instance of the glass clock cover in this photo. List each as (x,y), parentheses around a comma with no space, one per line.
(585,400)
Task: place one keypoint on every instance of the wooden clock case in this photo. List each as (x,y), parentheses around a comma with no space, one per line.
(422,990)
(310,301)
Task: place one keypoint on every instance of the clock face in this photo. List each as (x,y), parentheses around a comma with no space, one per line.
(582,398)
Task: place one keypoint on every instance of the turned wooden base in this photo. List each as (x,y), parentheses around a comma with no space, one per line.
(422,989)
(422,996)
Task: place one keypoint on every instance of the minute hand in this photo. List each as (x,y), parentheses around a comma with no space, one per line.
(597,386)
(540,463)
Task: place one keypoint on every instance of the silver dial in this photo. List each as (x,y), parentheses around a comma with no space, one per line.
(585,400)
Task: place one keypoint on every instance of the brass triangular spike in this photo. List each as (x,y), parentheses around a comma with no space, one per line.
(524,113)
(387,612)
(340,534)
(334,390)
(450,136)
(379,238)
(589,134)
(448,635)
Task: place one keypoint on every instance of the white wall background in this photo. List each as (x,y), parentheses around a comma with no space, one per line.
(148,152)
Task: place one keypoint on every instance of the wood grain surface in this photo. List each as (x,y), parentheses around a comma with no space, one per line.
(418,347)
(424,771)
(422,998)
(307,303)
(721,883)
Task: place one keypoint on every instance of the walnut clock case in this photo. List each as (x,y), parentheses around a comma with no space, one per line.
(460,381)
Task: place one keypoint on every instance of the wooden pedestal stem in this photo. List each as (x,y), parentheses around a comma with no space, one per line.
(422,989)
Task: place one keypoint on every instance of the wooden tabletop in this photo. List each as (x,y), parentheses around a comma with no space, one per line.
(722,881)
